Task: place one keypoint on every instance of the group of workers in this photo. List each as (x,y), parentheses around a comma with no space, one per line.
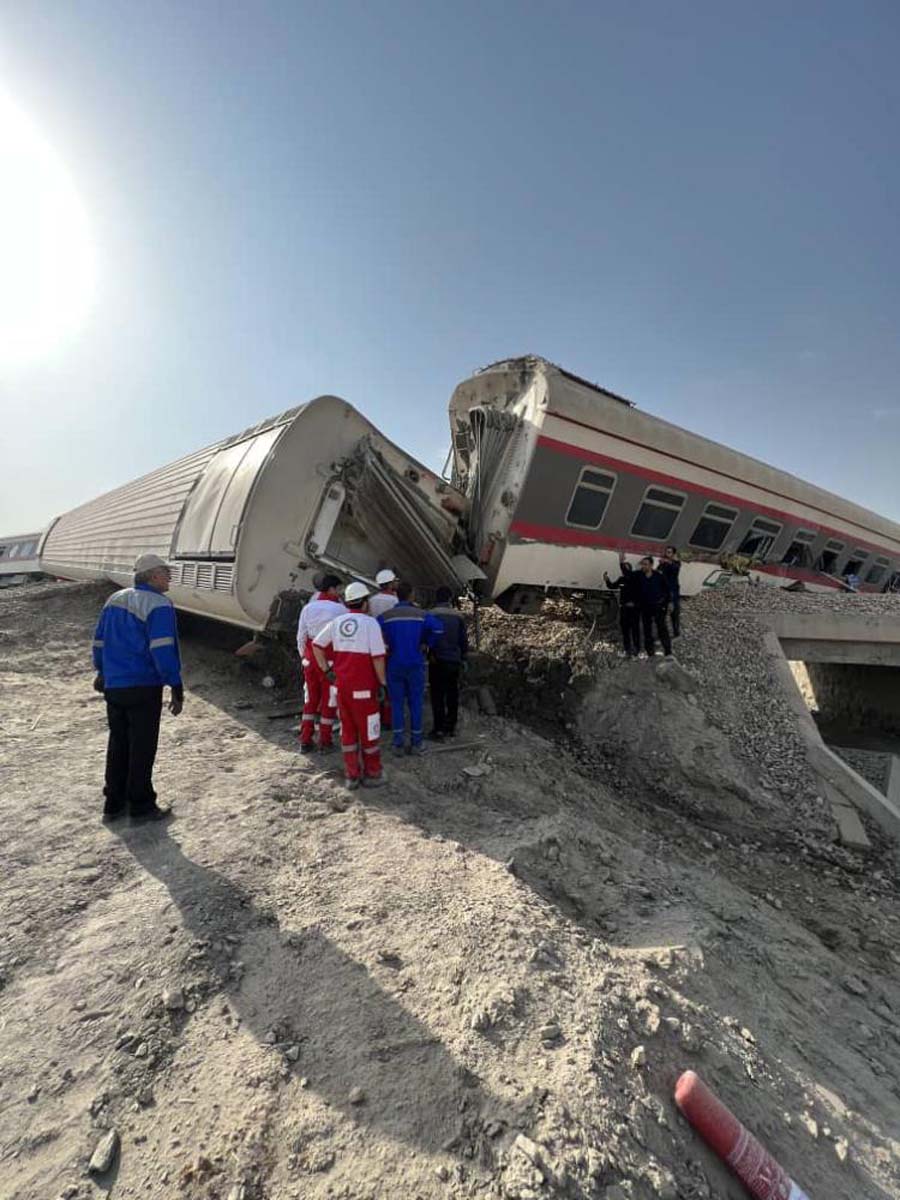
(364,655)
(648,598)
(364,658)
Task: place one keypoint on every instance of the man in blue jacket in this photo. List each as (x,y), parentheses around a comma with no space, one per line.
(136,656)
(448,660)
(408,632)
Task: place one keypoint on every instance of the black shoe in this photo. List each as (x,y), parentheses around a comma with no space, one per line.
(435,736)
(307,747)
(328,749)
(151,814)
(113,814)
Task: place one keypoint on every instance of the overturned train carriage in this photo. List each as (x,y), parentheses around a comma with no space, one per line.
(250,522)
(563,477)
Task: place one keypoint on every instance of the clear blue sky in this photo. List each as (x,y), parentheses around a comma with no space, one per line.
(693,204)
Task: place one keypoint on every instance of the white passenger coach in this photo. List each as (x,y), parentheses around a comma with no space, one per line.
(563,477)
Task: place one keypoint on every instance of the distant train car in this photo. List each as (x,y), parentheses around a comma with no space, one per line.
(19,557)
(250,522)
(563,477)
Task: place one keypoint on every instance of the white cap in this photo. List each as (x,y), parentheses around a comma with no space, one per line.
(150,562)
(355,592)
(385,576)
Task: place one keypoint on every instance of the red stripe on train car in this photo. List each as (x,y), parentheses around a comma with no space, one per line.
(700,466)
(699,489)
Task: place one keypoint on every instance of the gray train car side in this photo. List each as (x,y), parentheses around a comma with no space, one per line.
(249,522)
(563,477)
(19,557)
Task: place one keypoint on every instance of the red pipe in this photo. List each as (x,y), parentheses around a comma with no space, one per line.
(757,1170)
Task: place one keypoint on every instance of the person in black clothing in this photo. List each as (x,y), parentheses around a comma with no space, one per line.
(628,585)
(670,568)
(447,663)
(654,599)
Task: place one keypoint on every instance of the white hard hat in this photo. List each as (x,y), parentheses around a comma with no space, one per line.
(150,562)
(355,592)
(385,576)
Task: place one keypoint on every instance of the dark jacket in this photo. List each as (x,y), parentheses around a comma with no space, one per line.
(453,644)
(669,572)
(629,584)
(654,590)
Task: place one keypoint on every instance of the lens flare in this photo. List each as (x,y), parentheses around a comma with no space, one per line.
(47,269)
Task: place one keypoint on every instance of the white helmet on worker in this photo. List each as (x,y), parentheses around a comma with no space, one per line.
(383,578)
(355,593)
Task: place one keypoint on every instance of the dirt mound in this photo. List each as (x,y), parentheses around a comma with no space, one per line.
(482,980)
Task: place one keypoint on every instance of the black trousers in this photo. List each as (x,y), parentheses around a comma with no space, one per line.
(656,617)
(133,715)
(630,624)
(443,679)
(675,610)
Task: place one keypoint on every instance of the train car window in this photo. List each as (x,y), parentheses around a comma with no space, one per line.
(658,513)
(878,570)
(855,562)
(713,526)
(828,559)
(798,553)
(2,551)
(14,552)
(590,498)
(759,538)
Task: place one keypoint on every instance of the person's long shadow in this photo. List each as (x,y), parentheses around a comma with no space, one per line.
(351,1033)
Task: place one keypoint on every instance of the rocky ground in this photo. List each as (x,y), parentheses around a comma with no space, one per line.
(482,980)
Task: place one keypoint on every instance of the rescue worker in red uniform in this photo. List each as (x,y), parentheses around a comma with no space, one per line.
(319,696)
(354,644)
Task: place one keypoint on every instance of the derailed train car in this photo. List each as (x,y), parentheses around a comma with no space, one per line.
(563,477)
(250,522)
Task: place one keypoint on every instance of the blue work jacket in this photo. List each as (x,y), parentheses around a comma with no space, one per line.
(408,632)
(136,640)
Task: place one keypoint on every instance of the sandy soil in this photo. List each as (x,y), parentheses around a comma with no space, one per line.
(482,980)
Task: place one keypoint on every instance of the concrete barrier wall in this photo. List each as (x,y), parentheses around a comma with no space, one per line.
(839,781)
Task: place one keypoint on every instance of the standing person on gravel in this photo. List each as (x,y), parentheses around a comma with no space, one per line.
(354,645)
(628,585)
(135,657)
(408,632)
(446,665)
(319,695)
(654,599)
(670,569)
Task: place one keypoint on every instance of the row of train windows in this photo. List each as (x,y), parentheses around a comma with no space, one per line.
(660,509)
(18,550)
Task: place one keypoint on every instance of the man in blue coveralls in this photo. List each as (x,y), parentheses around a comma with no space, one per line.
(135,656)
(408,632)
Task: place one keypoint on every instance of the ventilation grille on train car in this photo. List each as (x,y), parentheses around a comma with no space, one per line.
(218,577)
(206,575)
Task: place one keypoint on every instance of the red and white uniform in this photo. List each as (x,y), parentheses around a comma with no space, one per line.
(353,642)
(319,696)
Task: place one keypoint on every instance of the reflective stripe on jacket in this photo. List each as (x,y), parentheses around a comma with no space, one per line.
(136,640)
(407,629)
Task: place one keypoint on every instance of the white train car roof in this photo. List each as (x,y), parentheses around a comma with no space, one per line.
(256,516)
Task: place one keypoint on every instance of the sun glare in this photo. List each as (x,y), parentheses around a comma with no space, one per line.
(46,256)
